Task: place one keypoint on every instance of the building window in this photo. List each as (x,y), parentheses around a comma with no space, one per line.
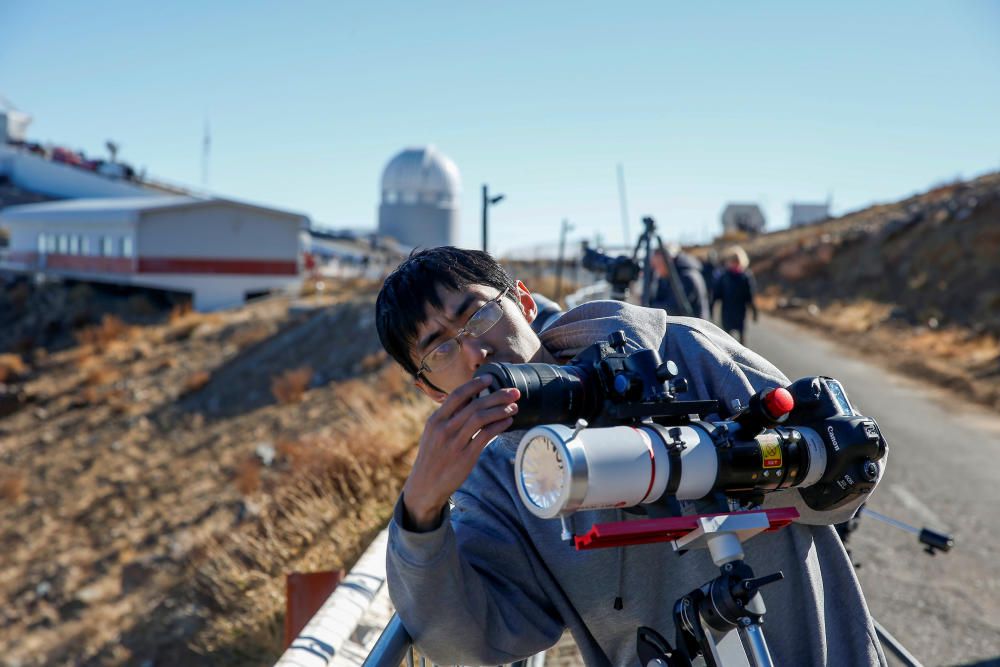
(74,244)
(126,246)
(85,245)
(63,244)
(41,244)
(107,246)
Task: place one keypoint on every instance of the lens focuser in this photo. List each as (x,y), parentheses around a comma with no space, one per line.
(549,394)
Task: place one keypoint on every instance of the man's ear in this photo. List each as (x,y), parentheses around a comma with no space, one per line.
(528,305)
(429,391)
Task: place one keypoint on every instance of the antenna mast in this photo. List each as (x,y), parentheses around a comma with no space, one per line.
(206,147)
(623,202)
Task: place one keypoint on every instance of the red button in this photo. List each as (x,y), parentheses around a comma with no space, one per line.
(778,402)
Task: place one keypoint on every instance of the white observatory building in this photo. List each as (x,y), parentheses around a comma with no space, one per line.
(419,208)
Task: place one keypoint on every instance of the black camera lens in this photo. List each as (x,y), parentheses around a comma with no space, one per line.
(549,394)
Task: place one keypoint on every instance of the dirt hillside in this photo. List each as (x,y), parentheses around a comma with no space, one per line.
(157,482)
(916,282)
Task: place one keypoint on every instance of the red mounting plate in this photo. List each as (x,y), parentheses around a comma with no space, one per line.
(647,531)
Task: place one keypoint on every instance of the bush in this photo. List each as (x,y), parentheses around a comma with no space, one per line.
(12,368)
(98,336)
(248,476)
(196,381)
(290,386)
(12,485)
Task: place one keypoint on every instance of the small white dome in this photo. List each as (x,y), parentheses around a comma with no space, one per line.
(420,175)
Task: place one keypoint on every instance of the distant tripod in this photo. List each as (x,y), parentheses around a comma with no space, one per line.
(644,245)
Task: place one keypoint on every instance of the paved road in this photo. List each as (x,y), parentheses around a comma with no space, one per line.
(944,474)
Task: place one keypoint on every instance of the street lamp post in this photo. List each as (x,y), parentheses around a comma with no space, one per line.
(487,202)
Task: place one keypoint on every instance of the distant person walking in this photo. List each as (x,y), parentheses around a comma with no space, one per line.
(692,284)
(710,272)
(736,289)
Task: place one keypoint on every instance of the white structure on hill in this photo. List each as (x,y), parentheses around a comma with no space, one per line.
(13,122)
(420,189)
(807,214)
(220,251)
(62,181)
(743,218)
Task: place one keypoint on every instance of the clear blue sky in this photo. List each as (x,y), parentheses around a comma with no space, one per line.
(702,103)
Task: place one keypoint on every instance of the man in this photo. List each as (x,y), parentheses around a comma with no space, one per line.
(486,582)
(691,281)
(737,291)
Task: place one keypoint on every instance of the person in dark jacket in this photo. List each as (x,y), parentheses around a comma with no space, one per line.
(710,272)
(736,290)
(692,283)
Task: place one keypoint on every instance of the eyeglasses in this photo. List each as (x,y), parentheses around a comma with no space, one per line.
(481,321)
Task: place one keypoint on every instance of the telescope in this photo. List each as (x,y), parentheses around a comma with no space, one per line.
(619,271)
(609,430)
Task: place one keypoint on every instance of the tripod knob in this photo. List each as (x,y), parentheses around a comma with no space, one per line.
(667,371)
(750,586)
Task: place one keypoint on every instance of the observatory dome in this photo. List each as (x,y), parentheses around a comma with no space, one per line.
(420,175)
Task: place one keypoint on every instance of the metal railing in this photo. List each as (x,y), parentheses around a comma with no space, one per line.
(394,647)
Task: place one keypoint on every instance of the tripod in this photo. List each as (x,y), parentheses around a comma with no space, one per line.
(644,244)
(933,542)
(723,619)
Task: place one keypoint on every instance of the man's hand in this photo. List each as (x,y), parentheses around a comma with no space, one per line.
(452,440)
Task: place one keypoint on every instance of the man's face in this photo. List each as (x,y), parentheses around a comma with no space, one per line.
(659,264)
(511,339)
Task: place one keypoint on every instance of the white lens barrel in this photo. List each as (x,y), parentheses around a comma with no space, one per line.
(560,470)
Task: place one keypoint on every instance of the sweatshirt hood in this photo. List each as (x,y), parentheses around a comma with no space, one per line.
(594,321)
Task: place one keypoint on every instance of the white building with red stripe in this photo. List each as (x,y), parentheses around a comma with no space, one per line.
(218,250)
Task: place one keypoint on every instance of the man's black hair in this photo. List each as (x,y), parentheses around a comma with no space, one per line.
(402,302)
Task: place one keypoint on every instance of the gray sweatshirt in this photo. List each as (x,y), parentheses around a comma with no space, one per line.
(493,583)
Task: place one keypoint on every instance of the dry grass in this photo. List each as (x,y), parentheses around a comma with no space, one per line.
(372,362)
(12,368)
(13,484)
(337,286)
(179,312)
(290,386)
(99,336)
(99,375)
(250,334)
(183,322)
(547,286)
(196,381)
(327,490)
(247,477)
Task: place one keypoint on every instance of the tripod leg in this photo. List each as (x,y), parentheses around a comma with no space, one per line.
(897,649)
